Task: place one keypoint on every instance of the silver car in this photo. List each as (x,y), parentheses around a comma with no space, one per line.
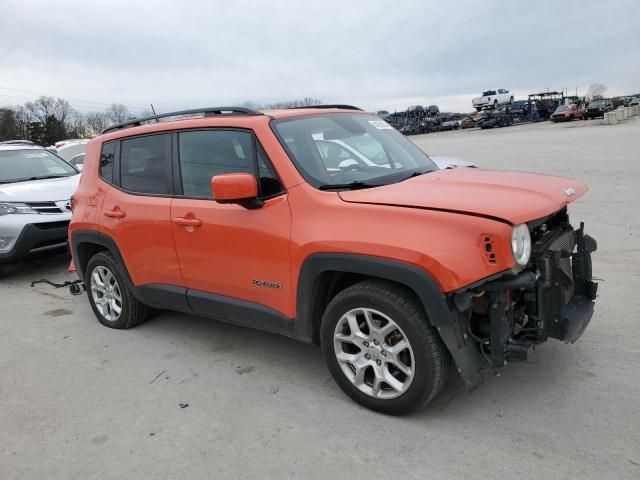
(35,192)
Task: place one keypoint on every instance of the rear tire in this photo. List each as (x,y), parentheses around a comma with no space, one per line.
(109,295)
(381,349)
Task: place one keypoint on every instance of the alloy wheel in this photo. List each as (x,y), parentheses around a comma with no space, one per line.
(106,293)
(374,353)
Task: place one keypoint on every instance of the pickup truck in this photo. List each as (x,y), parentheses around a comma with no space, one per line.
(492,98)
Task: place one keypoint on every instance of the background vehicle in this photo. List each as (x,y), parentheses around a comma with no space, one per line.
(492,98)
(392,267)
(467,122)
(383,114)
(566,113)
(597,108)
(545,103)
(450,125)
(71,148)
(35,191)
(493,118)
(77,161)
(520,109)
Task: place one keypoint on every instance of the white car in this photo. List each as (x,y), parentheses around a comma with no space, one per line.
(71,149)
(492,98)
(35,192)
(338,155)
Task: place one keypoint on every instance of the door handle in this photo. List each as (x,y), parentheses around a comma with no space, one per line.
(115,213)
(187,222)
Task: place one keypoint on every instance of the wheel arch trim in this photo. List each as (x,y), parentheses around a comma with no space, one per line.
(446,320)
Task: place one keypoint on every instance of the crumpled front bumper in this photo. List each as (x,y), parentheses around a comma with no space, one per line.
(555,295)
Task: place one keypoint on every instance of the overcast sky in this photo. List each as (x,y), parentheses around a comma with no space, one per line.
(374,54)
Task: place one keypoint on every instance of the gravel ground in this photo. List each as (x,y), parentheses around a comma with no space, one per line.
(184,397)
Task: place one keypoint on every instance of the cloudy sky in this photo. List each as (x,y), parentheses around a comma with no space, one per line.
(375,54)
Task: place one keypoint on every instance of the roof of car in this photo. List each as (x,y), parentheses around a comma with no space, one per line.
(18,146)
(206,116)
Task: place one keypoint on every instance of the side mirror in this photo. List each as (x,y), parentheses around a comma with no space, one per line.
(241,188)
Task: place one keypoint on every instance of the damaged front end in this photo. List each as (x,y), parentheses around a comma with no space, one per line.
(552,297)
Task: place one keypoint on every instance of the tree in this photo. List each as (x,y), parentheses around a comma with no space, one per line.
(8,124)
(96,122)
(118,113)
(44,107)
(596,90)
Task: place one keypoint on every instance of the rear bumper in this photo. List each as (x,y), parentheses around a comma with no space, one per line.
(36,237)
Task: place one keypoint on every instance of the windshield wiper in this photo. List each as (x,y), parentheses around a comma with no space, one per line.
(356,185)
(44,177)
(415,174)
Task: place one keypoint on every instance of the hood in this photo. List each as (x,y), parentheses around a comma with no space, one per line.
(514,197)
(47,190)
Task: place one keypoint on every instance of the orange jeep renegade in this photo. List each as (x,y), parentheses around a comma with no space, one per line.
(328,226)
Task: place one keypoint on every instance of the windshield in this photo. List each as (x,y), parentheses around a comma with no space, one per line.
(32,164)
(562,108)
(488,92)
(350,150)
(597,104)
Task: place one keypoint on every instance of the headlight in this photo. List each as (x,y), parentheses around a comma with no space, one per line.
(521,244)
(15,208)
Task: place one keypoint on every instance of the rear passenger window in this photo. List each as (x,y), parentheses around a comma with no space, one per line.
(107,156)
(206,153)
(145,164)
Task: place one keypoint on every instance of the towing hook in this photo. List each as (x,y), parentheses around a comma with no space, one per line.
(74,286)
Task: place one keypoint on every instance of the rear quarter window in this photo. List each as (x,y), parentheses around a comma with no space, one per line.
(107,157)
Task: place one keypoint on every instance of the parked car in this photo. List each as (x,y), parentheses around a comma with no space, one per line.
(520,108)
(450,125)
(493,118)
(393,268)
(77,161)
(467,122)
(432,110)
(566,113)
(383,114)
(35,188)
(597,108)
(337,155)
(634,102)
(492,98)
(71,149)
(62,143)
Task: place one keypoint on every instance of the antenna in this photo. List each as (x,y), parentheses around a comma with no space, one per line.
(153,109)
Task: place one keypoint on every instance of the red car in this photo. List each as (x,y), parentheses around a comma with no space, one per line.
(569,112)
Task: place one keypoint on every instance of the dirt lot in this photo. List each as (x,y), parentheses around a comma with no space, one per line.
(78,400)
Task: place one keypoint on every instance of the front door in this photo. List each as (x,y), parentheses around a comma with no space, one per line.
(227,249)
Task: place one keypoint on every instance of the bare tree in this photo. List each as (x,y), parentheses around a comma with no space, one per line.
(596,90)
(304,102)
(118,113)
(96,122)
(44,107)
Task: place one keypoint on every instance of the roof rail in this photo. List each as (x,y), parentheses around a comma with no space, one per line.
(207,112)
(343,107)
(17,142)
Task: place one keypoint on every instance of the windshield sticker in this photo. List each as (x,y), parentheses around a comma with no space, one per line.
(35,155)
(381,124)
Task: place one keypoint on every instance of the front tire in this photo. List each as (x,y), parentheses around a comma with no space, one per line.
(381,349)
(109,295)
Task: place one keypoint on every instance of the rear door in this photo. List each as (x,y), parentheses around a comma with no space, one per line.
(136,212)
(234,252)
